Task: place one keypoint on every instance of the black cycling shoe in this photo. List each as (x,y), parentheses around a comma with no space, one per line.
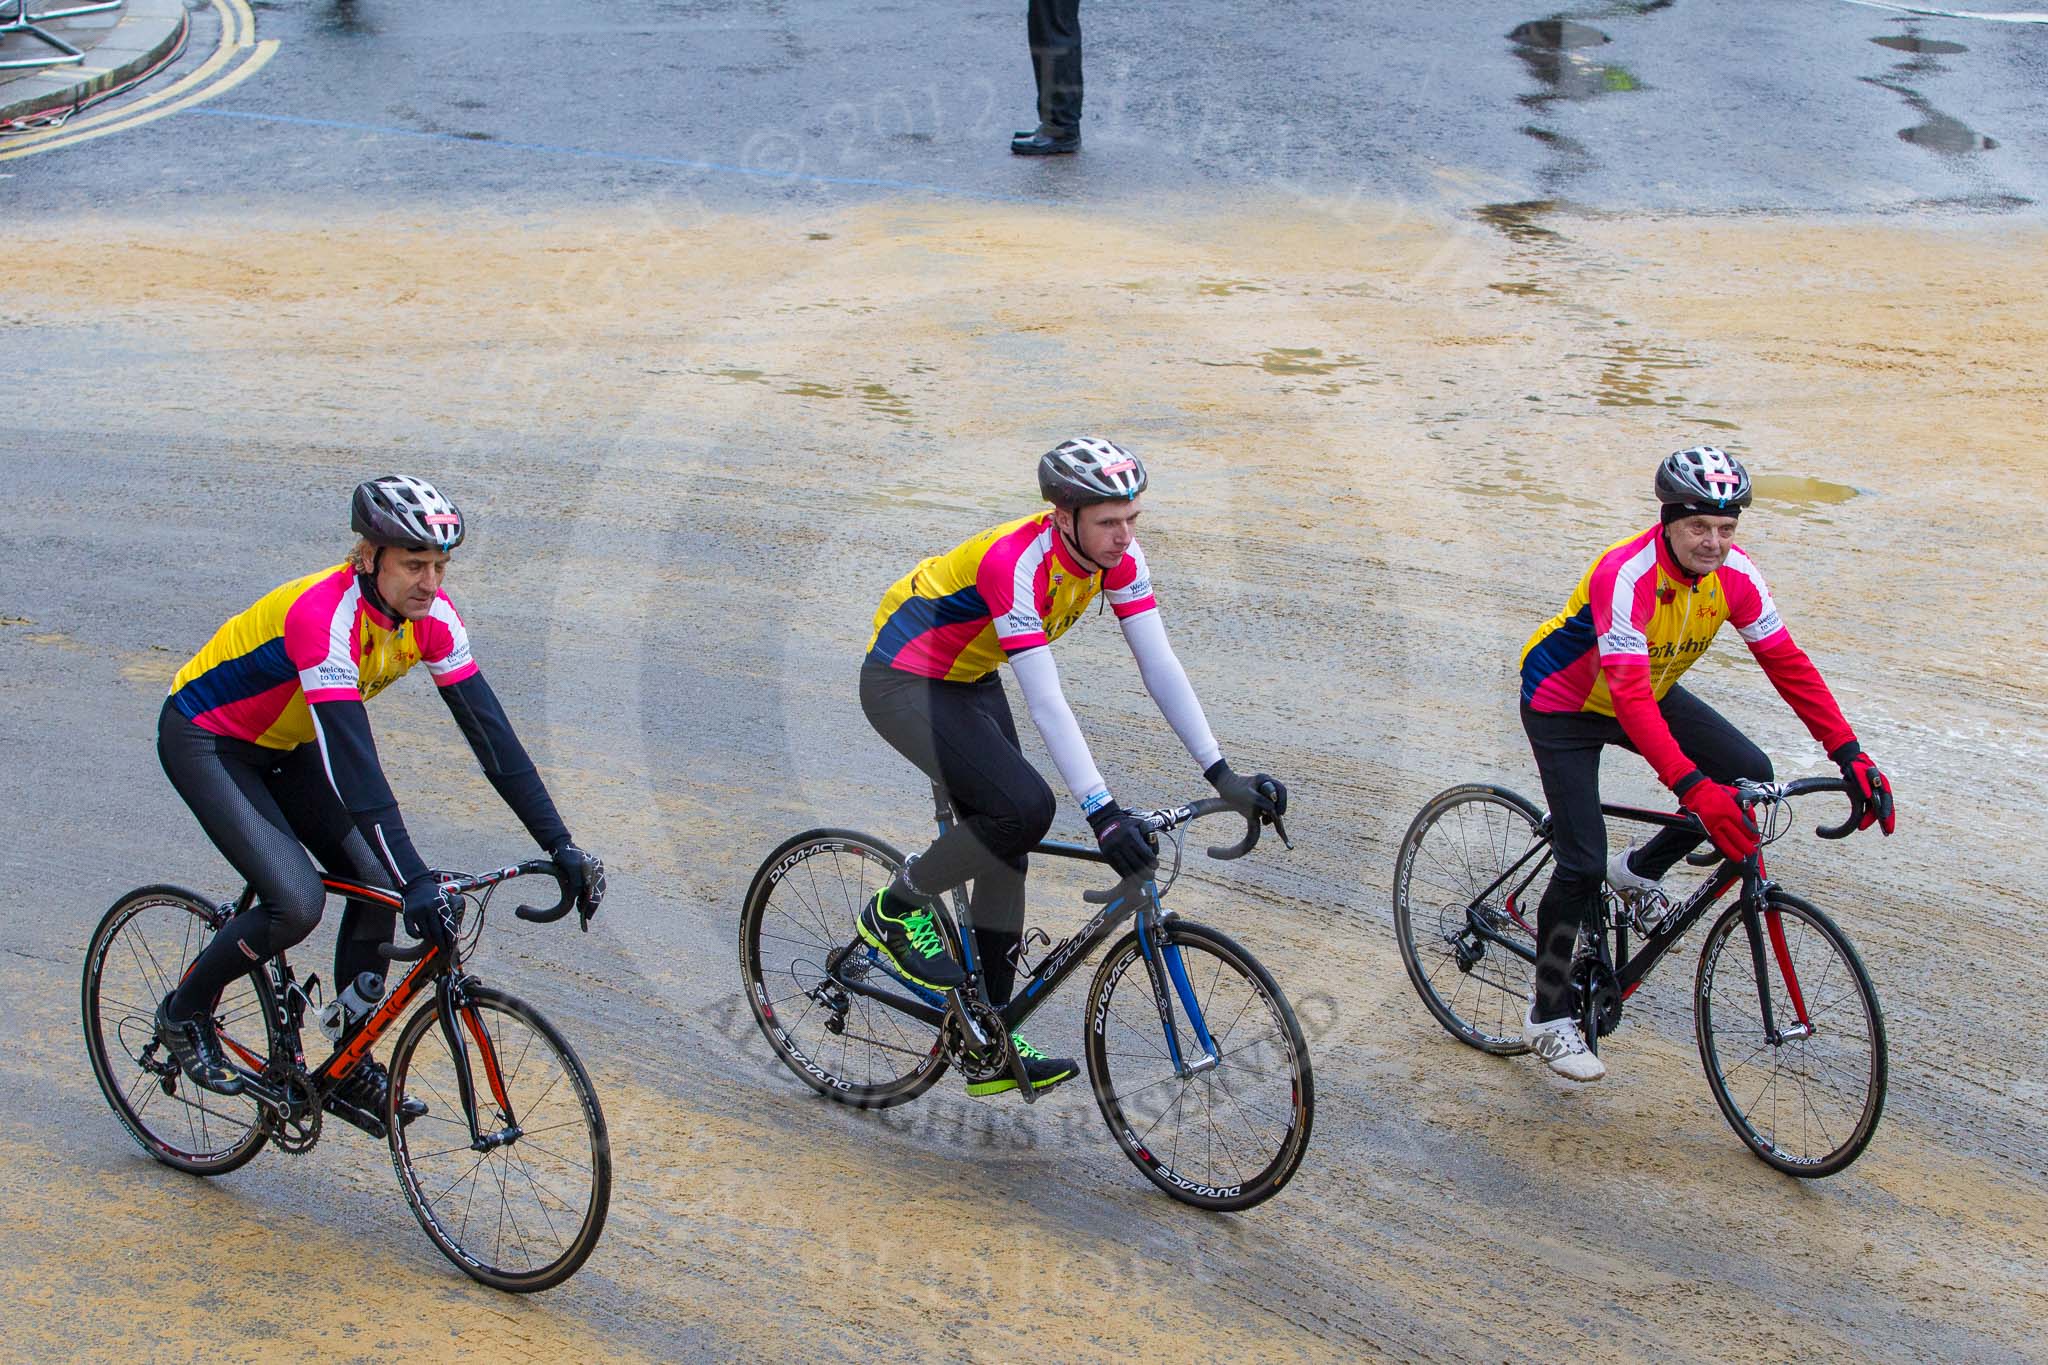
(360,1099)
(194,1044)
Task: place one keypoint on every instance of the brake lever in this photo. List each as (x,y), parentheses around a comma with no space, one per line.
(1280,828)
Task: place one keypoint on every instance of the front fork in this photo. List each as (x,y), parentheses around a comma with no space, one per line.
(451,1004)
(1164,965)
(1760,924)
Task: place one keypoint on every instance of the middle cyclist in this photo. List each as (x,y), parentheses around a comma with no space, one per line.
(929,687)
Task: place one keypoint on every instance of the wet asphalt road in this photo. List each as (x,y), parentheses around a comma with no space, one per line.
(523,110)
(1653,106)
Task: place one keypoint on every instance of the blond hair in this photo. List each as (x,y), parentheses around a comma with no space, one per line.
(363,558)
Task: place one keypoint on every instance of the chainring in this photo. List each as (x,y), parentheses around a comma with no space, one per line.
(297,1128)
(984,1065)
(1593,979)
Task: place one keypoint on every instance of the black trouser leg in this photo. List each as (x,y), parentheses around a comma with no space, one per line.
(1567,748)
(225,782)
(962,736)
(1723,753)
(1054,27)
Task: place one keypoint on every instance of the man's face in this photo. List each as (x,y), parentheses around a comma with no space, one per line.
(1104,530)
(1701,543)
(408,580)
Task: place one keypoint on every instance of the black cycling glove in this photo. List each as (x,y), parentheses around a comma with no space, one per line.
(583,875)
(430,911)
(1123,841)
(1258,794)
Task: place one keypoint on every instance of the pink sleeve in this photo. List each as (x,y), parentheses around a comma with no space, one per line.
(1009,579)
(1621,592)
(322,640)
(444,644)
(1129,585)
(1750,608)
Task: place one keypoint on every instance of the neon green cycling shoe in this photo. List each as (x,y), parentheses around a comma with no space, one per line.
(1045,1072)
(909,937)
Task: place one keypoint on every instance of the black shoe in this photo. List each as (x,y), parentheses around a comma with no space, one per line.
(1042,1071)
(909,937)
(194,1045)
(1041,142)
(361,1098)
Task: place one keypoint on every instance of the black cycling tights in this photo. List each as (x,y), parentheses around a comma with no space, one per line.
(264,809)
(961,736)
(1567,747)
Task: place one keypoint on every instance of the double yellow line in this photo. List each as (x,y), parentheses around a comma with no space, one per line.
(218,73)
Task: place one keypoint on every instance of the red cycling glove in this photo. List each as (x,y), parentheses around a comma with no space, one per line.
(1728,825)
(1870,791)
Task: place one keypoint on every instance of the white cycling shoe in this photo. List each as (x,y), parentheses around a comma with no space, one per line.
(1622,877)
(1562,1047)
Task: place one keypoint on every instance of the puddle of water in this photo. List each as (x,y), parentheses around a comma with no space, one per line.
(811,388)
(1517,221)
(878,398)
(1217,289)
(1521,288)
(1932,47)
(1944,134)
(1540,489)
(1556,35)
(1801,492)
(740,376)
(1631,376)
(1305,360)
(818,236)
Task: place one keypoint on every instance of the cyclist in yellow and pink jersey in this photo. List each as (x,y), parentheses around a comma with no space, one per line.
(265,736)
(1605,671)
(930,687)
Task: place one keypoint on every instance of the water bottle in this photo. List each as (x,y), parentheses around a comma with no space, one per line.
(349,1008)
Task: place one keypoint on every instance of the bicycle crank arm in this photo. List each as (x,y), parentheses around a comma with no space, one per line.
(977,1037)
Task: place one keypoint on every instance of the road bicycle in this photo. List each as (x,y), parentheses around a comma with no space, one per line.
(1789,1029)
(1193,1052)
(511,1181)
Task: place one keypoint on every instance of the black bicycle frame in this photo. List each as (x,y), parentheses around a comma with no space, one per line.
(1128,899)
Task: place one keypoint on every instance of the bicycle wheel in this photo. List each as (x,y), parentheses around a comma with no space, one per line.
(1459,846)
(1229,1137)
(138,953)
(800,913)
(1807,1105)
(525,1214)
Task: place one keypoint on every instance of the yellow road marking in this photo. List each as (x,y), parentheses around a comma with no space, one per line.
(217,59)
(257,59)
(247,37)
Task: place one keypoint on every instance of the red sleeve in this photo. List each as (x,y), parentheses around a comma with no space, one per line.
(1635,706)
(1803,689)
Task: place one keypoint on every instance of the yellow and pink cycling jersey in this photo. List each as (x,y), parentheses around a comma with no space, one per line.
(1637,621)
(314,639)
(958,615)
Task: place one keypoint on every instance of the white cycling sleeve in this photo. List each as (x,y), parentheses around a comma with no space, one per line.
(1039,678)
(1168,683)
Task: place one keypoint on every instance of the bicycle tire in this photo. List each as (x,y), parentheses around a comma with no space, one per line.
(800,908)
(1838,1073)
(559,1163)
(1458,844)
(139,951)
(1264,1062)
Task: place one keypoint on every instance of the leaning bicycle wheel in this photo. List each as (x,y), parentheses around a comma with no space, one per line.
(139,952)
(1808,1103)
(1470,945)
(1226,1137)
(525,1212)
(796,926)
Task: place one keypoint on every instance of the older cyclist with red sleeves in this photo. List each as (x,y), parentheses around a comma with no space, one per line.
(1605,671)
(266,737)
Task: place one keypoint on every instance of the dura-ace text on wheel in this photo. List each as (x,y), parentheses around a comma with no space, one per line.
(1223,1126)
(798,943)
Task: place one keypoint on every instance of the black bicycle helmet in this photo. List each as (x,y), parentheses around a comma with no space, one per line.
(1702,481)
(405,513)
(1089,470)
